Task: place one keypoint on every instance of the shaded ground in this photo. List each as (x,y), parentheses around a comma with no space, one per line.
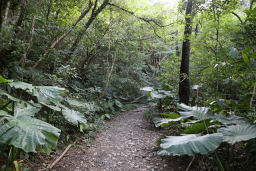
(127,143)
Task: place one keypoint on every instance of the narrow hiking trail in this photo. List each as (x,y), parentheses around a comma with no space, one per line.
(129,142)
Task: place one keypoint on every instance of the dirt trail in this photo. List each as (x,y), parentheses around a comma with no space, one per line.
(127,143)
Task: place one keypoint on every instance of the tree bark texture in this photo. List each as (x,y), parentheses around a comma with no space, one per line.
(184,85)
(1,18)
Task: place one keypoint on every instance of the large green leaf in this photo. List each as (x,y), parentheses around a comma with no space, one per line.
(49,96)
(26,132)
(4,93)
(200,113)
(25,109)
(50,93)
(147,89)
(161,121)
(232,119)
(22,85)
(74,117)
(237,133)
(190,144)
(75,103)
(156,95)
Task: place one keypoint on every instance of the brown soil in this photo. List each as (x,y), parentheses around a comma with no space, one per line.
(129,142)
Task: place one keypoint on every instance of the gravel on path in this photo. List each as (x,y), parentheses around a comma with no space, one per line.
(129,142)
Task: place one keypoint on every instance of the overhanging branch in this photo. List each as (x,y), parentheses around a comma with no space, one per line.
(138,17)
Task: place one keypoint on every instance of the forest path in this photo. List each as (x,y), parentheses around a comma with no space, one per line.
(129,142)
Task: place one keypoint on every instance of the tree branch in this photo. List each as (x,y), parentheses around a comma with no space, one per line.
(251,4)
(138,17)
(239,18)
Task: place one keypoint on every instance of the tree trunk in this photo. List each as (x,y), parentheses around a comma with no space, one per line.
(27,50)
(1,18)
(48,11)
(177,45)
(184,85)
(108,78)
(6,12)
(21,17)
(60,38)
(94,14)
(216,15)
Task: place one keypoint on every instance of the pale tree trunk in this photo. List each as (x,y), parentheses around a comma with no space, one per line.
(6,12)
(114,58)
(217,21)
(184,85)
(27,50)
(108,78)
(60,38)
(1,18)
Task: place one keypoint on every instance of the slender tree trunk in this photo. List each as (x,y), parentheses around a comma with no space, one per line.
(20,18)
(177,45)
(60,38)
(184,85)
(108,78)
(94,14)
(217,21)
(27,50)
(1,18)
(48,11)
(6,12)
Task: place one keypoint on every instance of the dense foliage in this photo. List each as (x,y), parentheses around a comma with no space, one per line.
(66,66)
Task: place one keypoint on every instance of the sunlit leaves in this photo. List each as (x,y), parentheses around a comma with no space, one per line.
(190,144)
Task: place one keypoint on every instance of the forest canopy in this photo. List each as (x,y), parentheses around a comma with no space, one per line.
(80,62)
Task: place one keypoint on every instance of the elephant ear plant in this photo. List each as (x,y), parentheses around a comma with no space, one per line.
(20,128)
(205,133)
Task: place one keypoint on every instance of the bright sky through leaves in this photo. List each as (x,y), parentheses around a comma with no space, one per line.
(169,3)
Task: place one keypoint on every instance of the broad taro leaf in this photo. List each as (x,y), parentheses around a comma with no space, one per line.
(233,119)
(26,132)
(237,133)
(51,93)
(184,107)
(74,117)
(49,96)
(190,144)
(156,95)
(25,109)
(161,121)
(200,113)
(22,85)
(75,103)
(147,89)
(4,93)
